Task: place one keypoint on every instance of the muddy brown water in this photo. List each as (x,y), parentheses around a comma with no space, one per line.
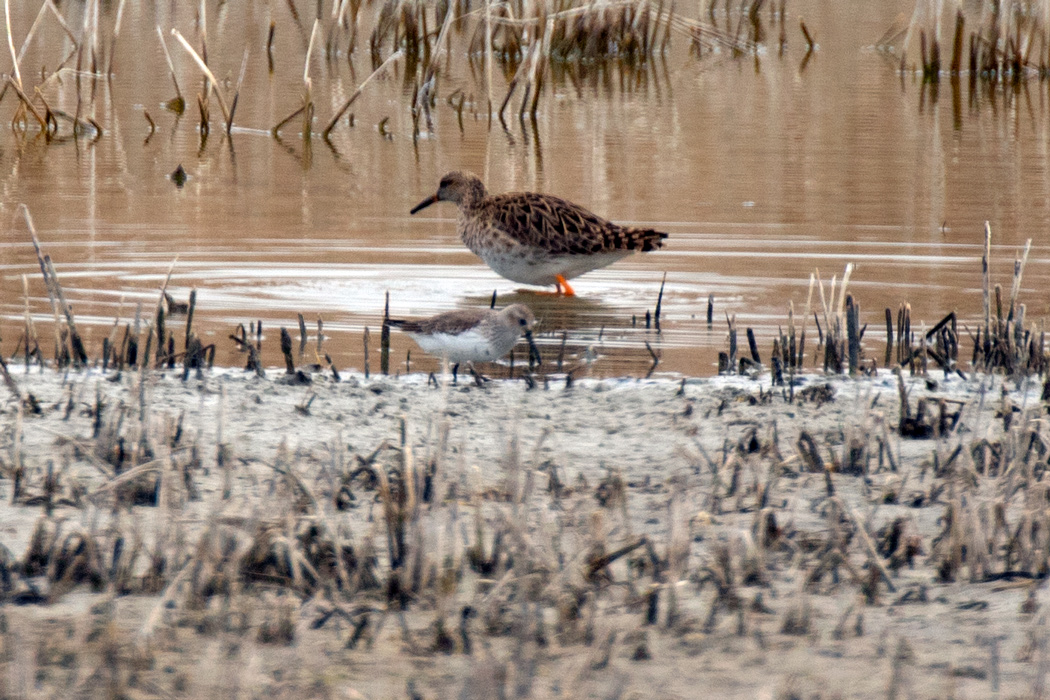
(762,168)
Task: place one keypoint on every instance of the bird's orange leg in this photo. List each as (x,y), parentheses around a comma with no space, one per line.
(563,286)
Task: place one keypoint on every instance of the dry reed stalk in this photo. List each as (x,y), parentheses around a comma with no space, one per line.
(384,339)
(986,281)
(488,56)
(427,88)
(269,45)
(202,33)
(25,101)
(85,33)
(823,301)
(365,341)
(62,356)
(275,131)
(158,330)
(11,44)
(13,387)
(96,44)
(30,327)
(805,320)
(841,306)
(335,25)
(537,71)
(308,99)
(213,84)
(957,43)
(853,333)
(179,103)
(116,35)
(58,300)
(357,92)
(811,44)
(1019,265)
(514,83)
(237,91)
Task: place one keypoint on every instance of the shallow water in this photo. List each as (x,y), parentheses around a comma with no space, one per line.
(762,170)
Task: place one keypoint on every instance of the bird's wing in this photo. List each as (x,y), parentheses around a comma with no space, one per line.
(563,228)
(450,322)
(545,221)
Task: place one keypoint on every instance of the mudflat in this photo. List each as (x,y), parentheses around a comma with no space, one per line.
(392,537)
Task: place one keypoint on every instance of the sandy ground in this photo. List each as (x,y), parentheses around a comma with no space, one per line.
(710,472)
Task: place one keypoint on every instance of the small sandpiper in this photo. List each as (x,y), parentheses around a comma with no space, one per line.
(535,238)
(472,335)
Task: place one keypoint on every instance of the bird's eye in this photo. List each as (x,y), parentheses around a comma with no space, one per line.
(522,322)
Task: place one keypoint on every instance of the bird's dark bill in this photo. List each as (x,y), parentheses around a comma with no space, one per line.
(424,204)
(534,352)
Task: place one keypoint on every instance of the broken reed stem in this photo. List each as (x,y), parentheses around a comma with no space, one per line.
(488,54)
(957,43)
(810,43)
(889,336)
(310,51)
(805,318)
(346,105)
(659,303)
(366,339)
(54,290)
(308,91)
(213,84)
(189,316)
(277,128)
(752,345)
(158,331)
(1019,265)
(237,92)
(96,49)
(171,66)
(79,354)
(384,339)
(823,301)
(30,327)
(985,277)
(269,44)
(29,105)
(842,290)
(202,30)
(10,382)
(853,333)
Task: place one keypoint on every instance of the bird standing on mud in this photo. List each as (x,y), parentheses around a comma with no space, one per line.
(535,238)
(472,335)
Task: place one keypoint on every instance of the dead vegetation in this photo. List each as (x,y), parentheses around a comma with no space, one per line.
(488,49)
(399,543)
(994,44)
(1001,343)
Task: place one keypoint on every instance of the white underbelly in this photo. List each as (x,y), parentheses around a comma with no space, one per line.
(530,268)
(469,346)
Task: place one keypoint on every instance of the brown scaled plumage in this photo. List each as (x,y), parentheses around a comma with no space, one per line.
(535,238)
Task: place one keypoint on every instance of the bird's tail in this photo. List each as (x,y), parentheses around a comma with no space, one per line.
(403,324)
(642,239)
